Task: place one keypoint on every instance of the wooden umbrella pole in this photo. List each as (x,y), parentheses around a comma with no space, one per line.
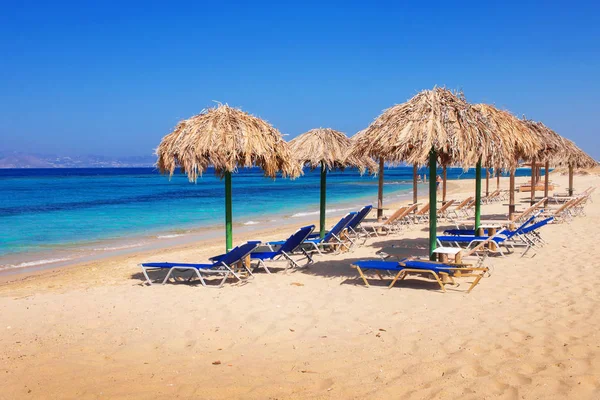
(444,176)
(570,179)
(415,187)
(477,196)
(487,182)
(533,183)
(498,180)
(511,195)
(432,204)
(228,212)
(380,192)
(546,182)
(323,199)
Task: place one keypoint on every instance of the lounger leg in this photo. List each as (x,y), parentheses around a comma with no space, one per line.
(200,277)
(400,273)
(437,278)
(168,276)
(146,275)
(475,282)
(262,264)
(364,278)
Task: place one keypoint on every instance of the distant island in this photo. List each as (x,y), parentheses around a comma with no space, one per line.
(26,160)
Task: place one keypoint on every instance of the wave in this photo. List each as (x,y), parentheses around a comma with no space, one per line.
(126,246)
(328,211)
(170,236)
(34,263)
(251,223)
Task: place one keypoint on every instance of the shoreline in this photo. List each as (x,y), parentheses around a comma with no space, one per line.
(275,227)
(214,240)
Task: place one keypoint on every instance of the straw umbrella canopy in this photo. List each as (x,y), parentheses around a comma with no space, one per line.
(327,149)
(434,125)
(519,139)
(573,157)
(225,138)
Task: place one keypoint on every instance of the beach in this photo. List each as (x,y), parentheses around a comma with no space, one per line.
(528,331)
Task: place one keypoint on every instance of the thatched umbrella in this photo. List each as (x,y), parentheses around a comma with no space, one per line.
(518,138)
(552,151)
(327,149)
(433,125)
(573,157)
(226,138)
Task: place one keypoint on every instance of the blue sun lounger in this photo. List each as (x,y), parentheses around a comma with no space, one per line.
(505,237)
(221,266)
(443,273)
(331,239)
(284,251)
(354,229)
(471,232)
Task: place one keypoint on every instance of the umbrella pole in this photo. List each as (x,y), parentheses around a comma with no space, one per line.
(444,175)
(477,196)
(498,180)
(546,182)
(432,204)
(533,182)
(511,195)
(380,192)
(415,185)
(487,182)
(323,199)
(570,180)
(228,213)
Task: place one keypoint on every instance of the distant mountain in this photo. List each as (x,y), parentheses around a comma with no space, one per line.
(25,160)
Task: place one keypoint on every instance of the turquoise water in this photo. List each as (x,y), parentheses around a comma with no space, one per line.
(46,209)
(41,209)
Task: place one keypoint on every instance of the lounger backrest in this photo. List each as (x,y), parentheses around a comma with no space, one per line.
(445,206)
(566,205)
(423,210)
(360,216)
(237,253)
(521,227)
(407,211)
(537,225)
(397,214)
(464,203)
(296,239)
(339,227)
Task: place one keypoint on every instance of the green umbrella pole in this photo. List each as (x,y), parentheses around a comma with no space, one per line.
(477,196)
(323,199)
(432,204)
(228,213)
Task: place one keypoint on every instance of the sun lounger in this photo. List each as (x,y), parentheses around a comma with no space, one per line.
(442,273)
(285,251)
(333,239)
(443,211)
(459,208)
(422,215)
(221,266)
(393,223)
(355,230)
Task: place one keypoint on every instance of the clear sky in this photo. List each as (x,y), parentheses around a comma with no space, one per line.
(112,78)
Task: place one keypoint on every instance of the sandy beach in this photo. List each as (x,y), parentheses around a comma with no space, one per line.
(528,331)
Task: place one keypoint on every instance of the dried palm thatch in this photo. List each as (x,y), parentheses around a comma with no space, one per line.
(225,138)
(433,119)
(576,157)
(552,149)
(328,147)
(517,137)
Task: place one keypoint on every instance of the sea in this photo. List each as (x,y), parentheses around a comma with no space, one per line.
(52,217)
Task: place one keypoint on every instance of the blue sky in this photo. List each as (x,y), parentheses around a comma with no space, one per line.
(112,78)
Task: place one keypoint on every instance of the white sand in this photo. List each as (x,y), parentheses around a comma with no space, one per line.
(530,331)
